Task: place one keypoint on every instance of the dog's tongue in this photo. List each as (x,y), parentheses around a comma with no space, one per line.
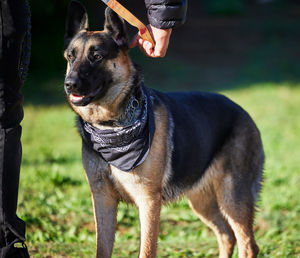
(76,97)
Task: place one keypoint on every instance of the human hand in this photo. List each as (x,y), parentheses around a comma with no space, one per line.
(161,38)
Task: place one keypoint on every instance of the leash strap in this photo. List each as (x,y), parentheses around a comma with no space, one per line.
(130,18)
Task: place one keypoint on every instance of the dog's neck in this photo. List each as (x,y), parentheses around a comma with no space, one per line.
(131,107)
(127,147)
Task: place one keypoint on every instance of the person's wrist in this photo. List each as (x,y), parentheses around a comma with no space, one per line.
(161,38)
(161,33)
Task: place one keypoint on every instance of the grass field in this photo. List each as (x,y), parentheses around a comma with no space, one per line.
(55,202)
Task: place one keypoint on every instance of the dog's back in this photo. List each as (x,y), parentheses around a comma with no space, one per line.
(200,124)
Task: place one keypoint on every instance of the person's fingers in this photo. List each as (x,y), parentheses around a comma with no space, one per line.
(140,45)
(161,37)
(148,47)
(146,51)
(145,47)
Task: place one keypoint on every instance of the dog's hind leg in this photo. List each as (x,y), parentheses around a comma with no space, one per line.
(237,189)
(240,214)
(203,202)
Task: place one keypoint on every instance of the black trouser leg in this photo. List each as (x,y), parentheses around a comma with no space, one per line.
(13,26)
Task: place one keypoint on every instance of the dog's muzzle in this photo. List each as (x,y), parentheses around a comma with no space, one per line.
(73,86)
(71,89)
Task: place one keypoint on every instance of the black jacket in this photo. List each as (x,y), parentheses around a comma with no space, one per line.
(164,14)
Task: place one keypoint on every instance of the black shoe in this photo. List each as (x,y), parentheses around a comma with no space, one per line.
(15,250)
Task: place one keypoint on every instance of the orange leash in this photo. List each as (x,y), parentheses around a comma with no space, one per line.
(130,18)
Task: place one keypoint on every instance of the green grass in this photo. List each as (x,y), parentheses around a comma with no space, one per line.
(55,202)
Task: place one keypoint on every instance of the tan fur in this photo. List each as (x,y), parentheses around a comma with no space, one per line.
(213,202)
(239,216)
(203,201)
(143,186)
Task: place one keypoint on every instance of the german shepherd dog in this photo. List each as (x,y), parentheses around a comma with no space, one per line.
(149,148)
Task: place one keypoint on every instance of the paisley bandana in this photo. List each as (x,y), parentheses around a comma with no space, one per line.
(126,147)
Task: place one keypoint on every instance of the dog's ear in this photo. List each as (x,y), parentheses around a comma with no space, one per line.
(77,20)
(115,25)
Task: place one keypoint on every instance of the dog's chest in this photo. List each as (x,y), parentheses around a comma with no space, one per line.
(128,185)
(127,145)
(146,179)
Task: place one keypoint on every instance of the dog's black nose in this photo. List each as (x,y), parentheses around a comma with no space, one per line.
(72,83)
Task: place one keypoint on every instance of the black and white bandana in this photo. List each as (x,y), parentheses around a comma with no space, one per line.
(126,147)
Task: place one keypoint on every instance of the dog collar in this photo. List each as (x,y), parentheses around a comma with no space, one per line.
(126,147)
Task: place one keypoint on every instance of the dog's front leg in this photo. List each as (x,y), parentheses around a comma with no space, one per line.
(149,213)
(105,201)
(105,210)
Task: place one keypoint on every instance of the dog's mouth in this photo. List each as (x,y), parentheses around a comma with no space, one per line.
(76,98)
(83,100)
(79,100)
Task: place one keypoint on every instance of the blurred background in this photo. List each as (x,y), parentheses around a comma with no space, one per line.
(248,50)
(223,44)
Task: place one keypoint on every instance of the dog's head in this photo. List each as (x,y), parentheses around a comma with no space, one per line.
(98,63)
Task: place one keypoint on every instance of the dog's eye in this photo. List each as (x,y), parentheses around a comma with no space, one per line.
(97,57)
(71,57)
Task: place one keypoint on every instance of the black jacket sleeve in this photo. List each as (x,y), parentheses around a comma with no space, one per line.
(164,14)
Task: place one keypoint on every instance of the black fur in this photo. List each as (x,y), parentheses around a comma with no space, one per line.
(77,20)
(201,123)
(116,27)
